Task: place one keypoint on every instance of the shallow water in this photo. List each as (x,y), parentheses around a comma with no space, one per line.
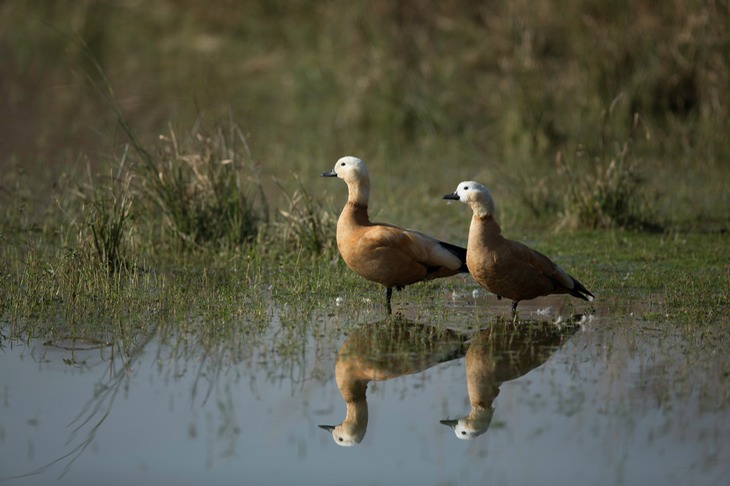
(604,400)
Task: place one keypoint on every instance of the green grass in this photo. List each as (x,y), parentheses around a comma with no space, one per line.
(469,91)
(591,123)
(305,225)
(204,186)
(683,275)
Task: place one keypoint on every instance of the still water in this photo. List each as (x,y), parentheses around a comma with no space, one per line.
(589,399)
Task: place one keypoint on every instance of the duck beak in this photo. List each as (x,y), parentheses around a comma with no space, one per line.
(450,423)
(328,428)
(453,196)
(330,173)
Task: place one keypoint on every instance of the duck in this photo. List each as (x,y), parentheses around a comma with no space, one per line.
(504,267)
(384,253)
(381,351)
(500,354)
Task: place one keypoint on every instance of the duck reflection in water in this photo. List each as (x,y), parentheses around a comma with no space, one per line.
(503,353)
(381,351)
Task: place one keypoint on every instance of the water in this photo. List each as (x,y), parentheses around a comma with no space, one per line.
(603,401)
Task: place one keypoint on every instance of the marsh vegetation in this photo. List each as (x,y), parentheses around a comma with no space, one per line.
(159,177)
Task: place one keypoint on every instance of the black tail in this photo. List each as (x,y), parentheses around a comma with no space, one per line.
(459,252)
(580,291)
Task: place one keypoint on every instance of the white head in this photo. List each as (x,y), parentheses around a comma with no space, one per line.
(349,168)
(475,195)
(354,172)
(345,436)
(473,425)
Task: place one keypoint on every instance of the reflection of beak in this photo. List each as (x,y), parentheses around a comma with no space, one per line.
(328,428)
(453,196)
(329,173)
(450,423)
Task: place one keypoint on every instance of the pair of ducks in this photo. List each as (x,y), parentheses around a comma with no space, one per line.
(397,347)
(395,257)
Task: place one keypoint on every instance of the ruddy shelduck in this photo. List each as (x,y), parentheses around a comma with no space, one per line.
(501,354)
(389,255)
(382,351)
(504,267)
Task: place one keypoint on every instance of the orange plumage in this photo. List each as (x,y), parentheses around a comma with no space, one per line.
(504,267)
(389,255)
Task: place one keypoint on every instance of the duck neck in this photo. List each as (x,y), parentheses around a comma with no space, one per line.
(484,232)
(357,213)
(485,224)
(351,383)
(481,210)
(359,192)
(356,419)
(353,390)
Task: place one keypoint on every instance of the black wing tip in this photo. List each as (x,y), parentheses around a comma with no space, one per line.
(581,292)
(459,252)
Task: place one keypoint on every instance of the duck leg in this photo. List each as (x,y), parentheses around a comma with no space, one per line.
(388,295)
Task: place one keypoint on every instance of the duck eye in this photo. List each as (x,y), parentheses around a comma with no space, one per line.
(342,164)
(341,439)
(463,432)
(466,188)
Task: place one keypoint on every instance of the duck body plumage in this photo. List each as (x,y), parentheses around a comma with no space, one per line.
(513,270)
(508,268)
(392,256)
(384,253)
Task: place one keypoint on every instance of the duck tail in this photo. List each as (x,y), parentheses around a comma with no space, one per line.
(459,252)
(580,291)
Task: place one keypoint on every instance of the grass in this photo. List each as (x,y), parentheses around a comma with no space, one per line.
(202,187)
(601,190)
(589,135)
(114,255)
(682,275)
(306,226)
(107,219)
(499,90)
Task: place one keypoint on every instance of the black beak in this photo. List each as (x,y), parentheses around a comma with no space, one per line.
(330,173)
(454,196)
(450,423)
(328,428)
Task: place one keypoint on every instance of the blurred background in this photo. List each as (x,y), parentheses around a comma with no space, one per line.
(532,98)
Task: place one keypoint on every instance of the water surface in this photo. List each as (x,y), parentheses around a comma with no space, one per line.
(601,398)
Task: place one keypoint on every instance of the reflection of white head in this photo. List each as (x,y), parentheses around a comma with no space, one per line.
(345,436)
(473,425)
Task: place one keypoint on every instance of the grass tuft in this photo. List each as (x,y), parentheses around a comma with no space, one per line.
(612,195)
(306,225)
(203,188)
(596,188)
(108,218)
